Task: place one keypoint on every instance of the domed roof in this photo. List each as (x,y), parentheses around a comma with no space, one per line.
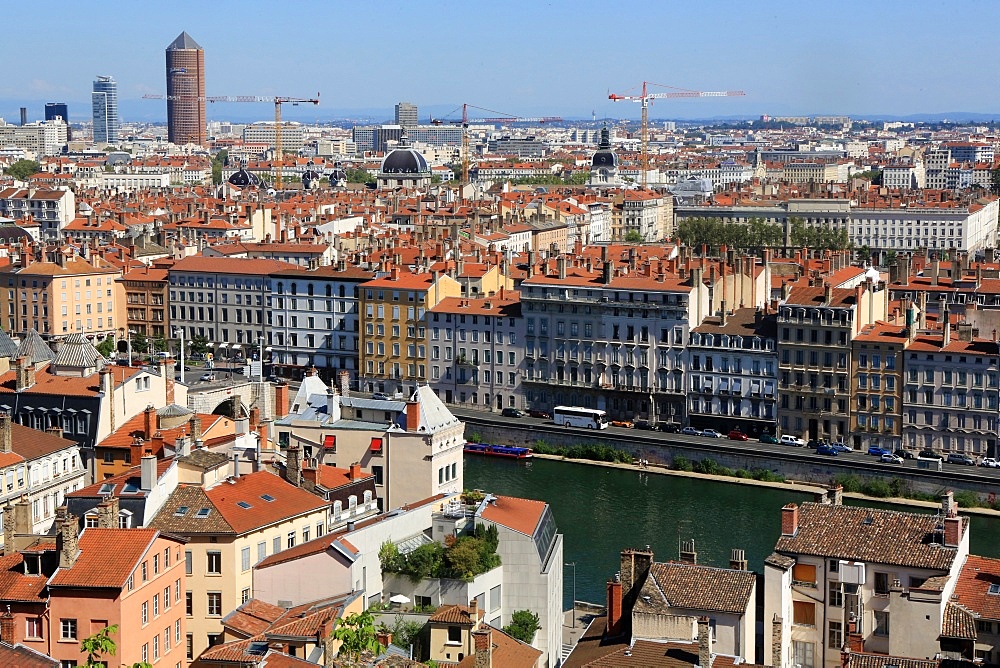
(244,179)
(312,175)
(404,160)
(604,157)
(77,352)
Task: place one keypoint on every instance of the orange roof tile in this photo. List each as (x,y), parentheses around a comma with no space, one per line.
(289,501)
(521,515)
(97,566)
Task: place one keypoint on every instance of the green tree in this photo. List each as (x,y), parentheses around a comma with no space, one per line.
(463,558)
(217,164)
(100,646)
(140,344)
(388,556)
(160,344)
(357,636)
(633,237)
(523,625)
(22,169)
(106,346)
(995,181)
(199,345)
(359,176)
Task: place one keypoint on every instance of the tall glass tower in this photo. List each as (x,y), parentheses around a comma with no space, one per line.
(105,105)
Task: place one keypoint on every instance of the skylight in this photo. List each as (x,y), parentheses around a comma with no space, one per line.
(107,488)
(244,505)
(267,497)
(182,511)
(995,589)
(130,488)
(203,513)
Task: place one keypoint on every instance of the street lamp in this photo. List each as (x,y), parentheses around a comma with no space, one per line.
(573,564)
(179,331)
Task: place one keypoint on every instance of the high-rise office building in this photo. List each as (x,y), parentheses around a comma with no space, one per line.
(186,92)
(54,110)
(104,100)
(406,114)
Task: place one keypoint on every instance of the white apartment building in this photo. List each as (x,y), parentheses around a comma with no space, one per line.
(53,209)
(40,138)
(908,176)
(292,134)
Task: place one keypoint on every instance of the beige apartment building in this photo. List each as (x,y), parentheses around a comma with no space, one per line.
(61,295)
(230,526)
(877,360)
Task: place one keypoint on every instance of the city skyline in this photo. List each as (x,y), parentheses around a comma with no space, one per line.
(528,59)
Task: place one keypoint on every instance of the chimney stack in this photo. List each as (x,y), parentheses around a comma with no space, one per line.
(6,440)
(107,512)
(789,520)
(66,539)
(738,560)
(293,465)
(952,531)
(149,424)
(355,471)
(688,554)
(195,424)
(332,405)
(835,495)
(148,470)
(614,606)
(704,643)
(412,415)
(7,628)
(281,399)
(483,639)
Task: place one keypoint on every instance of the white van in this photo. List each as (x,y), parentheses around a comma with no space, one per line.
(791,440)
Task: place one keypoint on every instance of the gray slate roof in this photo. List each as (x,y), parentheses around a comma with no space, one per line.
(34,348)
(174,410)
(184,41)
(7,346)
(77,352)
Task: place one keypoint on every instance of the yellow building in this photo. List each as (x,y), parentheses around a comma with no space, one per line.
(230,526)
(62,295)
(393,328)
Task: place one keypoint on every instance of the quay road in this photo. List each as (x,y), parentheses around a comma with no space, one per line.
(531,429)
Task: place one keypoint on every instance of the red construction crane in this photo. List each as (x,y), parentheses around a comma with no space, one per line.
(465,120)
(646,99)
(278,101)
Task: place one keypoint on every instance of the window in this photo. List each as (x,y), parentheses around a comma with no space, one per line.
(804,573)
(166,598)
(189,603)
(291,539)
(804,612)
(803,653)
(261,551)
(245,558)
(454,634)
(836,595)
(156,605)
(190,646)
(145,612)
(188,562)
(881,623)
(836,635)
(33,628)
(214,563)
(245,595)
(145,571)
(215,604)
(881,584)
(834,565)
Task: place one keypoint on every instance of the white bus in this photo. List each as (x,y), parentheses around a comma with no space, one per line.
(575,416)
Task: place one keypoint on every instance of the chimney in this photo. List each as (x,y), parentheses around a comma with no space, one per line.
(777,638)
(281,399)
(25,374)
(344,381)
(948,506)
(107,513)
(561,264)
(7,628)
(182,446)
(148,471)
(952,531)
(355,471)
(904,270)
(293,465)
(789,520)
(935,268)
(483,640)
(264,429)
(412,415)
(332,405)
(66,539)
(149,424)
(723,310)
(6,440)
(614,606)
(965,331)
(634,570)
(704,643)
(688,554)
(827,293)
(738,560)
(608,271)
(195,423)
(835,495)
(384,638)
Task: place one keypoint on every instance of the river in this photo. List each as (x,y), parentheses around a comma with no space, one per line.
(601,511)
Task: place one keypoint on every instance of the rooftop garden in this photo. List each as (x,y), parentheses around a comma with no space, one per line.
(459,558)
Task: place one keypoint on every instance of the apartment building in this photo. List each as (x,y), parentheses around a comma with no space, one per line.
(879,581)
(646,213)
(877,360)
(40,138)
(975,609)
(292,134)
(61,295)
(477,350)
(315,318)
(733,369)
(222,299)
(146,302)
(951,393)
(816,328)
(229,526)
(393,355)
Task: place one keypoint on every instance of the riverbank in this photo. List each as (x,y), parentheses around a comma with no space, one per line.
(788,485)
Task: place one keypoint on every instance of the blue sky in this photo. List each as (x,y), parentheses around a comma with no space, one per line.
(527,57)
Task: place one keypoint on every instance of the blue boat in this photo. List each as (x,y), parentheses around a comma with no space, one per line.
(508,451)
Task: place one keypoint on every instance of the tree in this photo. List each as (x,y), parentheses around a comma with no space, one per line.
(22,169)
(140,344)
(357,635)
(633,237)
(100,645)
(523,625)
(218,162)
(463,559)
(995,181)
(160,344)
(359,176)
(199,345)
(106,346)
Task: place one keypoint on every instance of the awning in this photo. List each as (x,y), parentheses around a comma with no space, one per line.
(376,445)
(223,345)
(737,385)
(237,346)
(329,442)
(723,385)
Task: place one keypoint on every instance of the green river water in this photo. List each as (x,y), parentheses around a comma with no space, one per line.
(601,511)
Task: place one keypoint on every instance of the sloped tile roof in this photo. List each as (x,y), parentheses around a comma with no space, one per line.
(289,501)
(252,618)
(865,660)
(869,535)
(507,652)
(958,622)
(31,444)
(521,515)
(24,657)
(194,499)
(15,585)
(676,585)
(98,566)
(454,614)
(973,587)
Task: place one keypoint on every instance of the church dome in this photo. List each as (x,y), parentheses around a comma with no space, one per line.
(404,160)
(244,179)
(604,157)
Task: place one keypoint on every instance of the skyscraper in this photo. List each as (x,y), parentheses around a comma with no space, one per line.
(55,110)
(186,92)
(406,114)
(104,100)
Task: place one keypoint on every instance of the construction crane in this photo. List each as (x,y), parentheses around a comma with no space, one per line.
(646,99)
(465,120)
(278,101)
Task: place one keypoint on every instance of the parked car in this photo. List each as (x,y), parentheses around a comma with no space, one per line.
(827,450)
(768,438)
(207,377)
(840,446)
(535,413)
(891,458)
(621,423)
(512,412)
(787,439)
(816,442)
(959,458)
(648,425)
(669,427)
(929,454)
(691,431)
(710,433)
(905,454)
(737,435)
(990,462)
(877,451)
(380,395)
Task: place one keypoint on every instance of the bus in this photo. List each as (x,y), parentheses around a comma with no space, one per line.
(575,416)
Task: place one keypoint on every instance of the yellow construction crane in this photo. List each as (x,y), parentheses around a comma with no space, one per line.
(646,98)
(278,101)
